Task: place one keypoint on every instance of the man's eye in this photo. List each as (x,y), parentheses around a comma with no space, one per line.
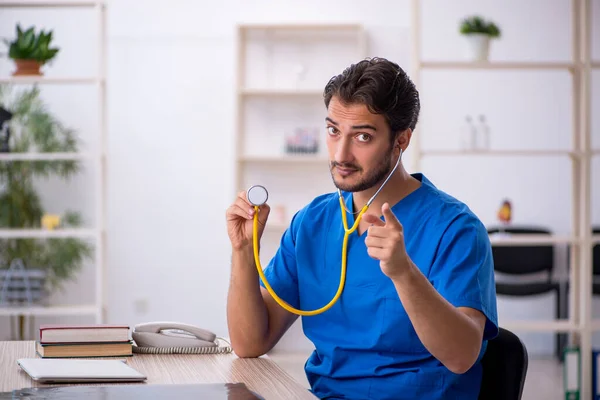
(363,137)
(331,130)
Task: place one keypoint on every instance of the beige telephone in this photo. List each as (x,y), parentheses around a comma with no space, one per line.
(175,337)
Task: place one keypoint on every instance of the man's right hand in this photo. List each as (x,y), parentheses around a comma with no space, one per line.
(240,221)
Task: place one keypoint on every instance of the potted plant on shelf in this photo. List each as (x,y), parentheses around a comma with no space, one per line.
(26,261)
(30,51)
(478,33)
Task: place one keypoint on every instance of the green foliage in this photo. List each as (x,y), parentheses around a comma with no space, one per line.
(31,46)
(33,128)
(476,24)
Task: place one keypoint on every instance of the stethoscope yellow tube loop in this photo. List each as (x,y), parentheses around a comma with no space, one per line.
(280,301)
(261,197)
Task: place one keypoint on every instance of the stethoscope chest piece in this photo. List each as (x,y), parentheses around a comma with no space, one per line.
(257,195)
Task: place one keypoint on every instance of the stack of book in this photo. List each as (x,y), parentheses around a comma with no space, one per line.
(73,341)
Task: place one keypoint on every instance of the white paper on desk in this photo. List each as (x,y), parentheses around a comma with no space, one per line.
(78,370)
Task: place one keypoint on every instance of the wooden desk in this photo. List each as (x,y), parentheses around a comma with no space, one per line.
(261,375)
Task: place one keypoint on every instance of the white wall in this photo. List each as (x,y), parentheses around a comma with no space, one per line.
(171,123)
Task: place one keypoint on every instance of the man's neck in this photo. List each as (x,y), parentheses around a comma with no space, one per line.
(400,185)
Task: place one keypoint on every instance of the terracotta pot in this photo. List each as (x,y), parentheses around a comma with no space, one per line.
(27,67)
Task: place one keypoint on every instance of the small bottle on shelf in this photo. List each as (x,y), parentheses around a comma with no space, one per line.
(467,135)
(483,134)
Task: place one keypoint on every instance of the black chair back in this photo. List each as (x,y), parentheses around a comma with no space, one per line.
(505,364)
(523,260)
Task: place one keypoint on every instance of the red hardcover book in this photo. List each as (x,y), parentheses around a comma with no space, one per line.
(84,333)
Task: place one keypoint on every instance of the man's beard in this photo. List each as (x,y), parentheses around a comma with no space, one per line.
(368,181)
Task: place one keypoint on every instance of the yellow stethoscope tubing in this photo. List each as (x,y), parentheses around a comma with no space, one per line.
(335,298)
(347,233)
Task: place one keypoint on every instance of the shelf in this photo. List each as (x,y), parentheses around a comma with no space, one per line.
(24,80)
(46,234)
(300,158)
(282,92)
(296,26)
(97,81)
(526,240)
(499,153)
(596,152)
(495,65)
(540,326)
(595,239)
(48,311)
(595,325)
(44,156)
(49,3)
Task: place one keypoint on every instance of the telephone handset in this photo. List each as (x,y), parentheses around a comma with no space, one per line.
(175,337)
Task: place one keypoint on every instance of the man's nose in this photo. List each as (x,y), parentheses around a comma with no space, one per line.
(342,152)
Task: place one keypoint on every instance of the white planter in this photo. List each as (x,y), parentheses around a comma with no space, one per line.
(477,47)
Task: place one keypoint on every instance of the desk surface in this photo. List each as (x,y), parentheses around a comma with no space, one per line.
(261,375)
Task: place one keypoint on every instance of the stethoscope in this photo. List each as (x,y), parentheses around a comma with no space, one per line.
(258,195)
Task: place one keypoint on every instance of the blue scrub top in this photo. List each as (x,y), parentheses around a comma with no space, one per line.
(365,345)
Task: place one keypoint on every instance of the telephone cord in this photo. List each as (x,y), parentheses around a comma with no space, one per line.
(185,350)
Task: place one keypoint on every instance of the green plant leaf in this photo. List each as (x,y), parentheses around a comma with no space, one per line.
(31,46)
(28,40)
(477,24)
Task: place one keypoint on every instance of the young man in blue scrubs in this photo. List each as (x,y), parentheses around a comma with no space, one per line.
(419,300)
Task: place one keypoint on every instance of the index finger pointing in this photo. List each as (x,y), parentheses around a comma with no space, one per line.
(389,216)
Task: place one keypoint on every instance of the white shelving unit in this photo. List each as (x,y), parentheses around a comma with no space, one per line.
(280,82)
(97,233)
(581,240)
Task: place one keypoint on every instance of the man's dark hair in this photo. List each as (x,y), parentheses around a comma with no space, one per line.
(383,87)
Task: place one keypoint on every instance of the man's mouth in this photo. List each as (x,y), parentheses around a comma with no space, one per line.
(345,171)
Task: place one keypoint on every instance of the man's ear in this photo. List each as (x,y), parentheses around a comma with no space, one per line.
(403,139)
